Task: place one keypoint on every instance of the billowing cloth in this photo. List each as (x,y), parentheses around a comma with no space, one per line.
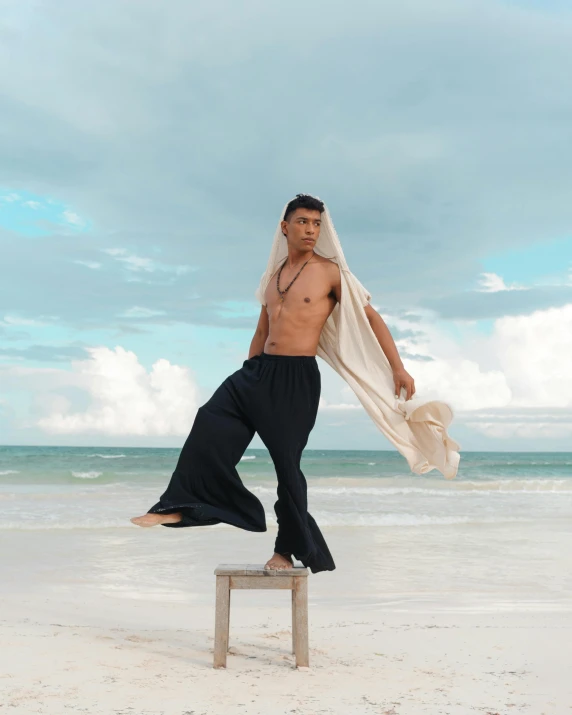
(416,427)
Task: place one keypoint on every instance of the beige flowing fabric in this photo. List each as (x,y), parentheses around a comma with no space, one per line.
(417,427)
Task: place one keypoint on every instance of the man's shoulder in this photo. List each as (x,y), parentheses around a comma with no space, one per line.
(332,267)
(332,271)
(328,263)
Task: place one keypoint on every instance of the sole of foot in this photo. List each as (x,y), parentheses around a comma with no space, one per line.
(154,519)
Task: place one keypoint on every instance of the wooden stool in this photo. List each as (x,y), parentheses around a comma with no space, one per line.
(229,576)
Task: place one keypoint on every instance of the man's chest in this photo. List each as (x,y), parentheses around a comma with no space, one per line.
(302,292)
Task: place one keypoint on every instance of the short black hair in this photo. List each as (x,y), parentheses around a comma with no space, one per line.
(303,201)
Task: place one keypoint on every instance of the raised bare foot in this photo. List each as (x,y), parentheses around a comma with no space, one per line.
(153,519)
(278,562)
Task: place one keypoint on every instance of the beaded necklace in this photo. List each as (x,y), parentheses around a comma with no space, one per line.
(282,293)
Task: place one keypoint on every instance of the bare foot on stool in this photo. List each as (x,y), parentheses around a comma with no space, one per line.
(279,562)
(153,519)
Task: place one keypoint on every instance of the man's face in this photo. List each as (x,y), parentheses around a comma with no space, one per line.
(302,229)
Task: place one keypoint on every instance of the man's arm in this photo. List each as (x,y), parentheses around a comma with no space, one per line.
(383,336)
(401,377)
(260,334)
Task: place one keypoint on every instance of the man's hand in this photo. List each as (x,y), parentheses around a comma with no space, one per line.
(402,378)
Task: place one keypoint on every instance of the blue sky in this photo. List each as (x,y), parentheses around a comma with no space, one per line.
(146,156)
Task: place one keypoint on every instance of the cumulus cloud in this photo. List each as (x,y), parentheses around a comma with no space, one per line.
(461,382)
(534,352)
(515,382)
(126,399)
(522,365)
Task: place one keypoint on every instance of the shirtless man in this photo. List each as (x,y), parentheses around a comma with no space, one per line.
(276,393)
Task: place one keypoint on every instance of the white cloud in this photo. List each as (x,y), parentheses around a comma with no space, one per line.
(133,262)
(10,320)
(138,312)
(534,352)
(89,264)
(325,405)
(72,218)
(460,382)
(492,283)
(125,398)
(139,263)
(531,425)
(33,204)
(520,373)
(180,270)
(455,373)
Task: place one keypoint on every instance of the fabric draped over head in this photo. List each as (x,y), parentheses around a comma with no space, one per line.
(416,427)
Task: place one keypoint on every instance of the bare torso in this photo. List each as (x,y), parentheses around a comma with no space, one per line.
(295,324)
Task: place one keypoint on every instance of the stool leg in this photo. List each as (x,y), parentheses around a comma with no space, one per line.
(293,620)
(300,594)
(228,620)
(222,614)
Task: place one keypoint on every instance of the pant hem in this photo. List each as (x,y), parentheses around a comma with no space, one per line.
(202,514)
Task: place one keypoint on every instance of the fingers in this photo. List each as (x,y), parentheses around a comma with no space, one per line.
(410,390)
(409,386)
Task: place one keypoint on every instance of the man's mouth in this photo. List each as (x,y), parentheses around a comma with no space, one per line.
(308,240)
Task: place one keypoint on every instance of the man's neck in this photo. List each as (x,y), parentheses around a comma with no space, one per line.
(296,258)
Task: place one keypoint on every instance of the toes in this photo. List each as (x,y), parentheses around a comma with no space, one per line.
(279,565)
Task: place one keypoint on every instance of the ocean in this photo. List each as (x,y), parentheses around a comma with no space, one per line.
(88,488)
(497,537)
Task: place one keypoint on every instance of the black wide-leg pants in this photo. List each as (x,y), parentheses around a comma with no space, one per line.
(276,396)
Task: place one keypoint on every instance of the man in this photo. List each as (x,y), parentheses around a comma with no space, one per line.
(276,394)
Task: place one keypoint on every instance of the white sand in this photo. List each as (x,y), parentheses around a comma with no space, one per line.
(121,622)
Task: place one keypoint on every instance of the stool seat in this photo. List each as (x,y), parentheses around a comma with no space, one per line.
(257,570)
(255,576)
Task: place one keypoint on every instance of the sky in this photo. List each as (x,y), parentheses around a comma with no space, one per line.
(147,151)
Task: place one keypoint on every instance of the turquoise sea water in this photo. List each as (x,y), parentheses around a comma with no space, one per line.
(87,487)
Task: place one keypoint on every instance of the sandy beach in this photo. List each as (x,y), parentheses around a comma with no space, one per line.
(121,621)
